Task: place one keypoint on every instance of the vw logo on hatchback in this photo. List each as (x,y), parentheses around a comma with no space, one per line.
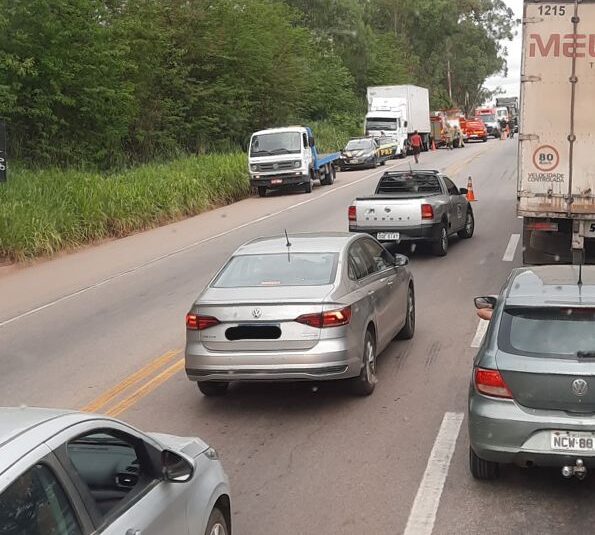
(580,387)
(256,313)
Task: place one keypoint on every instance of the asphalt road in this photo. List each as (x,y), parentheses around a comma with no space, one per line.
(102,329)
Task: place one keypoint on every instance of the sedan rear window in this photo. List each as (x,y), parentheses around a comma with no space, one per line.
(286,269)
(409,183)
(552,331)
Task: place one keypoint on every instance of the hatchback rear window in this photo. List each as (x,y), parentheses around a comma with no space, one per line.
(286,269)
(543,332)
(414,183)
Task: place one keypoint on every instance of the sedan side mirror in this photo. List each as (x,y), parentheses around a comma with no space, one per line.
(487,302)
(176,467)
(401,260)
(463,191)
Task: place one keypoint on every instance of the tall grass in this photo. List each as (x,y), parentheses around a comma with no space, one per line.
(332,136)
(45,211)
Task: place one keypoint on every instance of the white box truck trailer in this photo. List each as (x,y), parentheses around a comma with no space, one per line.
(416,108)
(556,180)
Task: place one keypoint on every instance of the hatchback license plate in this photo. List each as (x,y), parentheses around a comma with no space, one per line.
(389,236)
(572,441)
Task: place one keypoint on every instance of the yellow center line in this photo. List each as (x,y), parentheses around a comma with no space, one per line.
(101,401)
(146,389)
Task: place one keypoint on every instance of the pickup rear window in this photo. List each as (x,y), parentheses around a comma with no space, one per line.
(410,183)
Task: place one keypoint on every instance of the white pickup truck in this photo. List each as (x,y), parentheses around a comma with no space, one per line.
(411,206)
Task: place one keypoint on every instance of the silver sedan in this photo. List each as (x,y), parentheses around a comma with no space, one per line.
(71,473)
(303,307)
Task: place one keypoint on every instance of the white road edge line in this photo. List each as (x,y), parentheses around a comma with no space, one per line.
(482,327)
(511,249)
(190,246)
(427,500)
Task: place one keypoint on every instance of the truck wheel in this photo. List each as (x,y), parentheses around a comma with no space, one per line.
(485,139)
(440,244)
(308,186)
(262,191)
(456,144)
(329,176)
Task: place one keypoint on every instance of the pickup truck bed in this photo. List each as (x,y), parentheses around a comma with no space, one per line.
(414,206)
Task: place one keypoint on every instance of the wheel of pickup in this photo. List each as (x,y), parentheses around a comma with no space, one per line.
(467,231)
(262,191)
(440,244)
(213,389)
(482,469)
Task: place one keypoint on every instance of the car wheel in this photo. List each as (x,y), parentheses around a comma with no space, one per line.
(485,139)
(467,231)
(262,191)
(408,330)
(217,524)
(365,382)
(482,469)
(440,245)
(213,389)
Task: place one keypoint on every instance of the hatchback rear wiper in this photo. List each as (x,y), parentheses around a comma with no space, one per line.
(585,355)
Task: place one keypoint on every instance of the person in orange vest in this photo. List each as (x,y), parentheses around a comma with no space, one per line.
(416,145)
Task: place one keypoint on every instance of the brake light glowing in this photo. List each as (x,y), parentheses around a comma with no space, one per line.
(427,212)
(491,383)
(330,318)
(196,322)
(352,213)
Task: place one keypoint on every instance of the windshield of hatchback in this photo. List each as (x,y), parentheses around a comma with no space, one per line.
(425,184)
(283,269)
(359,144)
(551,331)
(276,143)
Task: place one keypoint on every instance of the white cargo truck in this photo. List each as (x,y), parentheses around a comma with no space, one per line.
(556,180)
(415,108)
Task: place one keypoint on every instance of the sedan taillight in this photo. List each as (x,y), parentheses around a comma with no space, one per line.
(491,383)
(330,318)
(195,322)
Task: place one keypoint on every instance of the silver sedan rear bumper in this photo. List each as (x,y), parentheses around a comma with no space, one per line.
(329,359)
(503,431)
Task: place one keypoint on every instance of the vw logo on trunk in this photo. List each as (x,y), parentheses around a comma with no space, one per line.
(256,313)
(580,387)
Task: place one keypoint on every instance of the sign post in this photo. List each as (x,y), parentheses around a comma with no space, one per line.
(3,163)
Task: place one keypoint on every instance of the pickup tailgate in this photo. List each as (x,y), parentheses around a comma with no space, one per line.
(388,213)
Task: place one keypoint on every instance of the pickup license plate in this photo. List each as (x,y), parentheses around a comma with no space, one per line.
(277,181)
(388,236)
(572,441)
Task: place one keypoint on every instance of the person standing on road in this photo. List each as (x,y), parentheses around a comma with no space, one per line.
(448,136)
(416,144)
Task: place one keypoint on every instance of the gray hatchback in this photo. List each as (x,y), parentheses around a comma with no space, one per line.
(532,394)
(303,307)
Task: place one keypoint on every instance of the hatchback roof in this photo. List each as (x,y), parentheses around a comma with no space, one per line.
(312,242)
(551,285)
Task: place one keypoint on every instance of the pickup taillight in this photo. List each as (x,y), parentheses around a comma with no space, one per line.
(427,212)
(352,213)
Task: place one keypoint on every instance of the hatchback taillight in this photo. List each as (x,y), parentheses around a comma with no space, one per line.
(196,322)
(491,383)
(352,213)
(427,212)
(330,318)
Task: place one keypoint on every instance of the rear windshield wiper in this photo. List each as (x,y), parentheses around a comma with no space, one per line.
(585,355)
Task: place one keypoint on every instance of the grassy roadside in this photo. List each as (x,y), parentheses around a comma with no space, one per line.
(46,211)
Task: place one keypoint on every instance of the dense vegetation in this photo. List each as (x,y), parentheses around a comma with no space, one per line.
(95,92)
(110,82)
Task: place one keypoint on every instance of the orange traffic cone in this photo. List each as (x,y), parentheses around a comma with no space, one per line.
(433,144)
(470,194)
